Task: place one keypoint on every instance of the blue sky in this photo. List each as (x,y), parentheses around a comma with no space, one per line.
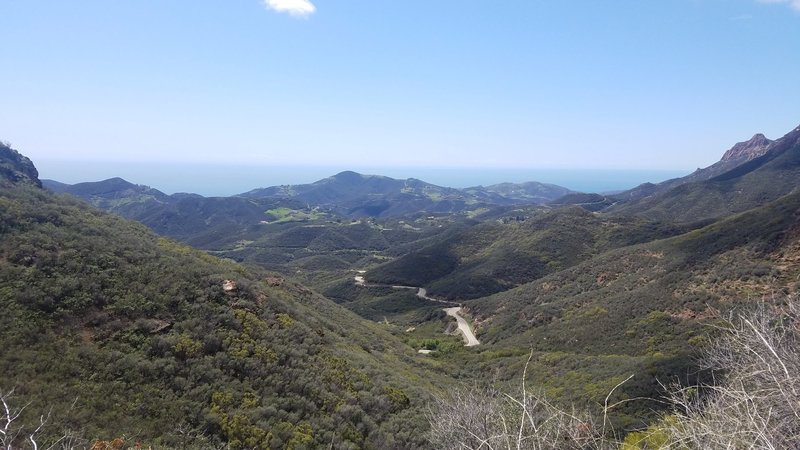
(626,84)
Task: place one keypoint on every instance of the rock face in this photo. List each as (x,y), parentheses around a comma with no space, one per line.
(15,168)
(751,174)
(748,150)
(737,155)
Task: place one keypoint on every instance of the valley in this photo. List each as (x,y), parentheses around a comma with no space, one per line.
(400,225)
(387,293)
(454,311)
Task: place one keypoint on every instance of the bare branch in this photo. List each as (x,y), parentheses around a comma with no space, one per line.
(605,403)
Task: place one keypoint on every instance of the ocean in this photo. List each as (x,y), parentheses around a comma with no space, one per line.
(227,179)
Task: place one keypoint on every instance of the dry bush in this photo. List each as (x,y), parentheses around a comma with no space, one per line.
(487,419)
(13,433)
(756,401)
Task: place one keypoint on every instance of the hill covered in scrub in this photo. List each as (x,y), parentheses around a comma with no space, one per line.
(602,296)
(595,296)
(674,281)
(737,155)
(756,172)
(124,333)
(359,195)
(204,222)
(647,309)
(492,256)
(344,195)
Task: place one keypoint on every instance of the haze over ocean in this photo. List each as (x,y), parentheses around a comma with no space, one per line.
(225,180)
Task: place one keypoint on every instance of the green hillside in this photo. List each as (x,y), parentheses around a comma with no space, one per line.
(124,333)
(150,336)
(492,257)
(644,309)
(358,195)
(746,257)
(203,222)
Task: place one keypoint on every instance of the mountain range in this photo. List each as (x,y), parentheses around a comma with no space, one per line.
(358,195)
(348,194)
(313,341)
(750,174)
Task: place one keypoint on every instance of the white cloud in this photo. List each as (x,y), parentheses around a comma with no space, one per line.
(795,4)
(300,8)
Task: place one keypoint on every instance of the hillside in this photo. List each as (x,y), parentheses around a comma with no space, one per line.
(645,309)
(737,155)
(124,333)
(685,275)
(358,195)
(589,202)
(282,235)
(327,225)
(115,195)
(347,194)
(205,222)
(748,185)
(530,192)
(16,169)
(492,257)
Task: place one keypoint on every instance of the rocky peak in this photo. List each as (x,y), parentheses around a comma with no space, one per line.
(747,150)
(16,168)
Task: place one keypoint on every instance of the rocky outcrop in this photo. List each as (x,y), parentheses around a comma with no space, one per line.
(747,150)
(737,155)
(751,174)
(229,286)
(15,168)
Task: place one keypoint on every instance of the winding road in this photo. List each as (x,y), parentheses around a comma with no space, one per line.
(469,337)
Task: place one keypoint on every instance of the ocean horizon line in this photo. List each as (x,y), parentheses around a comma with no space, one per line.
(232,179)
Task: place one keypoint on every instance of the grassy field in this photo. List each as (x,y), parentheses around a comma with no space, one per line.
(284,215)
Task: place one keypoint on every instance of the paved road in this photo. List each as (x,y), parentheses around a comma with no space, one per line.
(469,336)
(463,326)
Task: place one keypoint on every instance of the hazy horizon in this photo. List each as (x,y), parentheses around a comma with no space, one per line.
(232,179)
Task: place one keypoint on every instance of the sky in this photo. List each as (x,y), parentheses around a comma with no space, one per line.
(472,85)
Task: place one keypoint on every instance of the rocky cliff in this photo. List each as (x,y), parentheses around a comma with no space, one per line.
(15,168)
